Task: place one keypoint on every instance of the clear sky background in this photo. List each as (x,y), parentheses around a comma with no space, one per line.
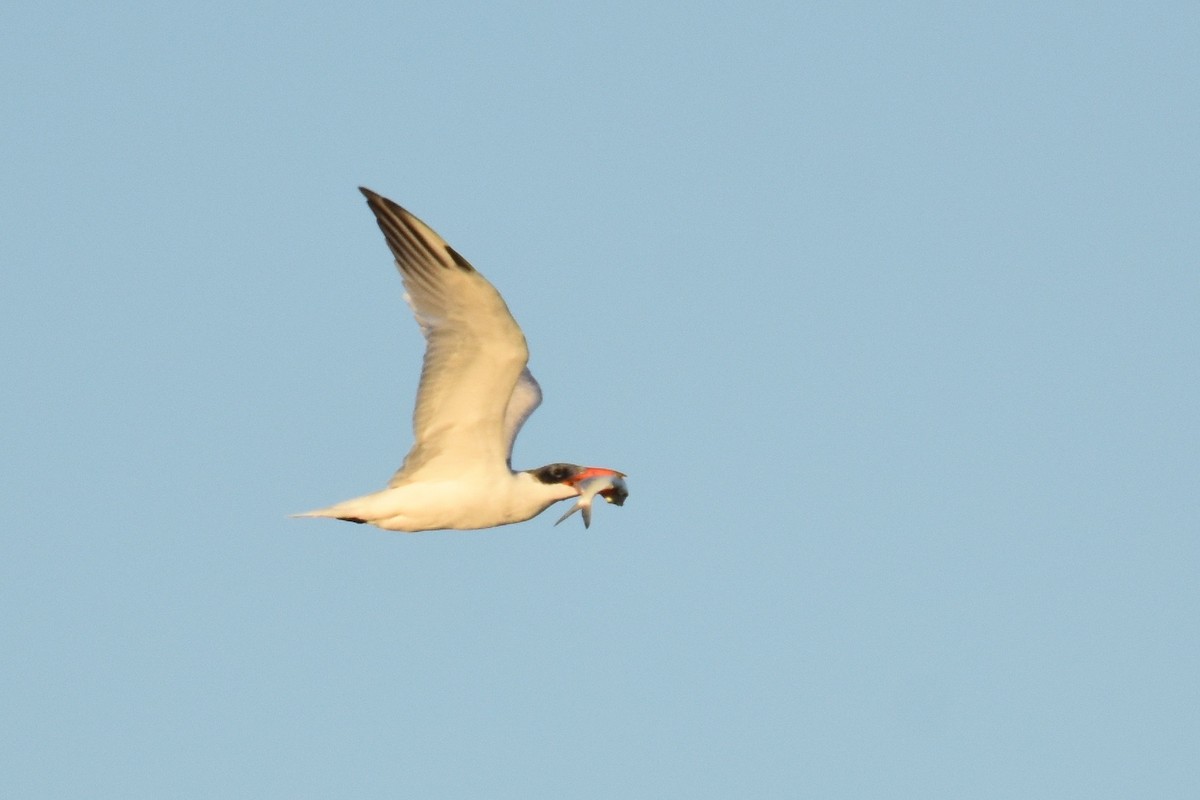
(888,310)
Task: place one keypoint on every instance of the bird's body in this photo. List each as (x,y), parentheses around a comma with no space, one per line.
(476,392)
(468,502)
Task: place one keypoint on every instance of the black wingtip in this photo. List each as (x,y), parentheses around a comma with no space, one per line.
(375,199)
(462,263)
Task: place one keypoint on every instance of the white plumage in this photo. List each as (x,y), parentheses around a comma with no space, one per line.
(475,394)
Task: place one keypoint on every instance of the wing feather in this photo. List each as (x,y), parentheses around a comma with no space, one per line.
(526,397)
(475,390)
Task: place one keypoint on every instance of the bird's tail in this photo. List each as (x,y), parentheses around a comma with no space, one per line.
(333,512)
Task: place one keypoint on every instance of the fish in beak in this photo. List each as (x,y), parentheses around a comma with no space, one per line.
(592,481)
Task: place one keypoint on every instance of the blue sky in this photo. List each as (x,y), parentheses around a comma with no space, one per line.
(888,310)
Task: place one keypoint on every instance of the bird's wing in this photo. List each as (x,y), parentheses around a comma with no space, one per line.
(525,399)
(469,404)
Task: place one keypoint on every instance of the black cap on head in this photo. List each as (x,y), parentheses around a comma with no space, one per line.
(555,473)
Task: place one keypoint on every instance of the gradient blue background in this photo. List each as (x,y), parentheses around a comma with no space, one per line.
(888,310)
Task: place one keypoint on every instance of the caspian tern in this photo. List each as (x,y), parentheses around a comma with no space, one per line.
(475,394)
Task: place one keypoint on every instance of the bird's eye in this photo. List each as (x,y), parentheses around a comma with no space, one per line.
(560,472)
(556,473)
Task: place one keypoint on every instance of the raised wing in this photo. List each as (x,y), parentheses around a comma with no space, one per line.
(526,397)
(467,412)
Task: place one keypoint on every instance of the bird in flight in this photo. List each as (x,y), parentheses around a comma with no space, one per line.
(476,392)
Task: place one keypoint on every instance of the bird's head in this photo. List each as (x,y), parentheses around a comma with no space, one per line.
(573,475)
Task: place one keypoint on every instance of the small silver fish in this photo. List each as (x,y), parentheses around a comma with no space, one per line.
(610,487)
